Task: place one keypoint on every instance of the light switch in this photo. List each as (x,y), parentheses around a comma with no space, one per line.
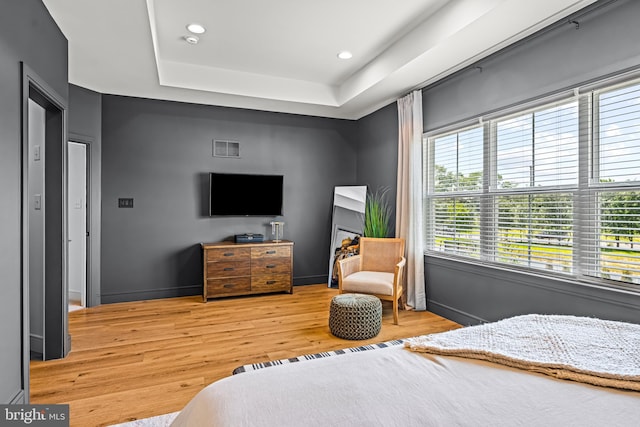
(125,203)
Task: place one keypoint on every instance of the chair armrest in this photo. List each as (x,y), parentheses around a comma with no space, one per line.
(398,274)
(347,266)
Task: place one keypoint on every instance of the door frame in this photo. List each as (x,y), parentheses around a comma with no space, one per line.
(87,142)
(32,82)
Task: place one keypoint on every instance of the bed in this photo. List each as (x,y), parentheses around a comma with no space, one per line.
(588,374)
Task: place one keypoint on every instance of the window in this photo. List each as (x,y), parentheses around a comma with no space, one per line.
(614,253)
(535,231)
(457,178)
(619,135)
(538,149)
(617,255)
(554,189)
(536,160)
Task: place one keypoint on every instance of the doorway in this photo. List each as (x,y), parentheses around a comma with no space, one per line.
(44,225)
(77,223)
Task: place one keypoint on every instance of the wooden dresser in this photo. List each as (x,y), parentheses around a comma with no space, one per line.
(246,268)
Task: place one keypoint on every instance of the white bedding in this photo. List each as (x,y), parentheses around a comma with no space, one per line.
(584,349)
(398,387)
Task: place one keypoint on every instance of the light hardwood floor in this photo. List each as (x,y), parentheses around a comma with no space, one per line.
(139,359)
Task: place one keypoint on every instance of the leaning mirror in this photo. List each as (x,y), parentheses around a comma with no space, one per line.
(347,225)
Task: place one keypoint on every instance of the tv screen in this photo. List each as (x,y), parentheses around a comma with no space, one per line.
(233,194)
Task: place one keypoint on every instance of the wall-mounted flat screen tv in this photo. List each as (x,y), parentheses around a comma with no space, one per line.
(234,194)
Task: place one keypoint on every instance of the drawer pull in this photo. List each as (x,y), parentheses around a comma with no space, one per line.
(229,269)
(271,252)
(271,266)
(270,282)
(229,254)
(229,285)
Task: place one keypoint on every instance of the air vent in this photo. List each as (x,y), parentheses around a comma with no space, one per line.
(222,148)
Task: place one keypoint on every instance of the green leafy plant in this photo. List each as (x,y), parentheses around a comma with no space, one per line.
(377,214)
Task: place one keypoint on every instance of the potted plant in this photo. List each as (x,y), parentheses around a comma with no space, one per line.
(377,214)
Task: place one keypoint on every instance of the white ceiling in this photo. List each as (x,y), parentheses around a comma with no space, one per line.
(281,55)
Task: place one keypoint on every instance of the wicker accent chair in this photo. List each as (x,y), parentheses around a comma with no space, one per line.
(378,270)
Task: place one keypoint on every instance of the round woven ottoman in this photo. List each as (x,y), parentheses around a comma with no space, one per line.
(355,316)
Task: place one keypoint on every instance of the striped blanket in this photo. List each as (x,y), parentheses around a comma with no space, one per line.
(256,366)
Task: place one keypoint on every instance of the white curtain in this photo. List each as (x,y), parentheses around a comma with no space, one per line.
(409,196)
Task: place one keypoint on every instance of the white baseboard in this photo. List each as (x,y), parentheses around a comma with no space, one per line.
(37,343)
(75,295)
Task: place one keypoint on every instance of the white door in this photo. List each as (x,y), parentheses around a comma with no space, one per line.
(77,227)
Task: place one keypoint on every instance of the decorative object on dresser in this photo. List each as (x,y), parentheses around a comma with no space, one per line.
(231,269)
(248,238)
(277,228)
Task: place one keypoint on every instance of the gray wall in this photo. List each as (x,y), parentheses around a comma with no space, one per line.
(559,58)
(471,294)
(159,153)
(27,33)
(378,153)
(563,57)
(85,125)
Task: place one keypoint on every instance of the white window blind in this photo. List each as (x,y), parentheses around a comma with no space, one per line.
(619,135)
(538,149)
(456,223)
(458,161)
(554,189)
(615,252)
(613,248)
(536,156)
(536,231)
(456,173)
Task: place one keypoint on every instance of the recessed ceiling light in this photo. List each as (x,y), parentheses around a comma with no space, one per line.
(345,54)
(196,28)
(192,39)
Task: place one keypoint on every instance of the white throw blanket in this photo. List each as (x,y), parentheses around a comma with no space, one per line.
(593,351)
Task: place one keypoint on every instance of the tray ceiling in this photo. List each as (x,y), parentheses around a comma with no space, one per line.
(281,55)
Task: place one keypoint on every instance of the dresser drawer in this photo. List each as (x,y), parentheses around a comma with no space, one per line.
(270,266)
(231,285)
(270,252)
(273,282)
(228,269)
(228,254)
